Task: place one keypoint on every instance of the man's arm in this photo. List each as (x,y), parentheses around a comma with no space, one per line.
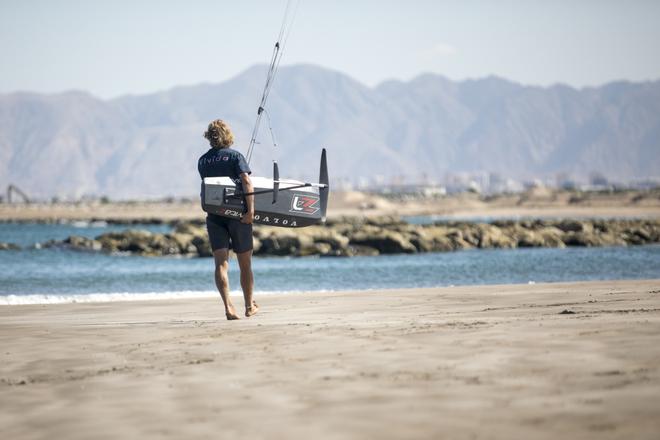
(248,217)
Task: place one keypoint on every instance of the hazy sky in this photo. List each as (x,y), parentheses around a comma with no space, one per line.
(116,47)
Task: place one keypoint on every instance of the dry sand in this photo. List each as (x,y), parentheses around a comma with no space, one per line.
(464,362)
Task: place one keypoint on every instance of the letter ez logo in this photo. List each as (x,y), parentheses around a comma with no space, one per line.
(304,204)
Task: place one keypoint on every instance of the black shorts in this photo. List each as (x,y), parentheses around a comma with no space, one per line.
(229,233)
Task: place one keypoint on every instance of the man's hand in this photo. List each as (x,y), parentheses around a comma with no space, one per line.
(248,218)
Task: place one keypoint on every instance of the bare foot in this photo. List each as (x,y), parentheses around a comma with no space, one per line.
(231,314)
(252,310)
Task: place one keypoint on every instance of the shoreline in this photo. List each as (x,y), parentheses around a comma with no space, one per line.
(21,216)
(194,295)
(577,360)
(536,202)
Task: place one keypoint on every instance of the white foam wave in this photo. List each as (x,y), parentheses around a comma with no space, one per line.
(10,300)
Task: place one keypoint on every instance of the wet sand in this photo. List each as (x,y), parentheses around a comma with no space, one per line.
(570,360)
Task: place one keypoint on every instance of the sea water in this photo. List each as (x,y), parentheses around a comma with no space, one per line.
(47,275)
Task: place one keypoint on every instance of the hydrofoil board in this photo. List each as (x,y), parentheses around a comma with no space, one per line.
(277,202)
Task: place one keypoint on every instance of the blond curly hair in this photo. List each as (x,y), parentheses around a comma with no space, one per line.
(219,134)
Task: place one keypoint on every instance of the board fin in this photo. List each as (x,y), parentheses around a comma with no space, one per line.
(276,181)
(325,181)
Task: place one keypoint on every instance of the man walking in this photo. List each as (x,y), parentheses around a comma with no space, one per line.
(227,233)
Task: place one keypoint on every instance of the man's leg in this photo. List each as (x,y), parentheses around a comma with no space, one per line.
(221,257)
(247,281)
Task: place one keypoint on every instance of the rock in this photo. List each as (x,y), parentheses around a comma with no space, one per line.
(526,224)
(355,250)
(455,237)
(611,239)
(313,249)
(163,245)
(574,226)
(125,241)
(422,241)
(639,234)
(9,247)
(471,235)
(256,245)
(442,244)
(437,235)
(587,239)
(552,237)
(328,236)
(202,246)
(386,220)
(323,249)
(73,242)
(190,228)
(387,242)
(137,242)
(494,237)
(643,234)
(282,241)
(602,226)
(334,222)
(503,223)
(654,231)
(83,243)
(633,238)
(184,243)
(527,238)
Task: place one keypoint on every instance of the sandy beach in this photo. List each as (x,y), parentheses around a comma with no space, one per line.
(569,360)
(534,203)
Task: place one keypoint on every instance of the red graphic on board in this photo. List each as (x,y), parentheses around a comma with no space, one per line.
(304,204)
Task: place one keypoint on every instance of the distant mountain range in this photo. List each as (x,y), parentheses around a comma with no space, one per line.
(73,144)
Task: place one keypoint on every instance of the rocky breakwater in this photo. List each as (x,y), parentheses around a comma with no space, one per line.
(9,247)
(186,240)
(351,236)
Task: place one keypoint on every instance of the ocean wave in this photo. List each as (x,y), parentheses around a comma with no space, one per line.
(11,300)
